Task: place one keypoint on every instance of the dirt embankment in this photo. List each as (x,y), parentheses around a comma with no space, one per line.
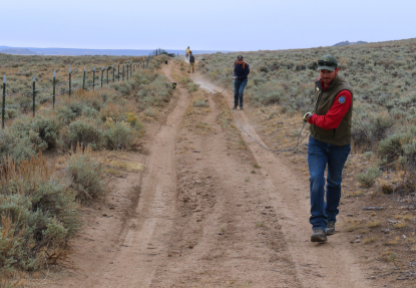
(212,209)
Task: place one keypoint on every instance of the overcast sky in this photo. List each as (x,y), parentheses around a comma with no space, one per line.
(202,24)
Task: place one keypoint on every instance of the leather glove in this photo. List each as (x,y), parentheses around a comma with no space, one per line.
(306,116)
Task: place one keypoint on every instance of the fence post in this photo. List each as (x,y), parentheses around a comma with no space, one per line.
(53,93)
(4,101)
(107,74)
(70,81)
(123,73)
(118,71)
(93,78)
(102,75)
(127,71)
(113,73)
(34,94)
(83,79)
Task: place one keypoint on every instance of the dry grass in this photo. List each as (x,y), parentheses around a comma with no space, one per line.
(351,228)
(373,224)
(400,225)
(370,240)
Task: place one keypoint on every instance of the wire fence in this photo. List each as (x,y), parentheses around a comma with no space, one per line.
(21,103)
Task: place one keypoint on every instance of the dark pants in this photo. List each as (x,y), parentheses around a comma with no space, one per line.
(239,86)
(320,155)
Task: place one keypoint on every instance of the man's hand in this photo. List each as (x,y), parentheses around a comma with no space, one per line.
(235,77)
(306,116)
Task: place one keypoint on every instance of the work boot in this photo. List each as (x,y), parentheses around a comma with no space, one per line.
(318,236)
(330,228)
(235,107)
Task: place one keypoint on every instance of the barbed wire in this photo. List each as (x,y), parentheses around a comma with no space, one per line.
(76,84)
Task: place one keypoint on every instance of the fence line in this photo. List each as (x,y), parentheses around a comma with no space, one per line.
(128,68)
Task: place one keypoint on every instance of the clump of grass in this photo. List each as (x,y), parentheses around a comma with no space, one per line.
(373,224)
(393,241)
(389,256)
(369,240)
(201,103)
(260,224)
(400,225)
(406,217)
(352,228)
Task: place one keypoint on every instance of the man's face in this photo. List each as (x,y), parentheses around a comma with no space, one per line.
(328,76)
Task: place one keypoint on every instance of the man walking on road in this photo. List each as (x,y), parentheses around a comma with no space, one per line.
(329,144)
(191,63)
(241,70)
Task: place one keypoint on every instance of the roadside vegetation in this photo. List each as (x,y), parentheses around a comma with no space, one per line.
(39,207)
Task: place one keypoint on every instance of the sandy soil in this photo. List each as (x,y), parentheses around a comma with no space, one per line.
(212,209)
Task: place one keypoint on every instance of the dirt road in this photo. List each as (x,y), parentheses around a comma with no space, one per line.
(216,210)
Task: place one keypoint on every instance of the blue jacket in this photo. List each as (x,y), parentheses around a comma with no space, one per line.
(240,72)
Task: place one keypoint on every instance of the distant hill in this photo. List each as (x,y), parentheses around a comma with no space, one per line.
(81,52)
(18,51)
(349,43)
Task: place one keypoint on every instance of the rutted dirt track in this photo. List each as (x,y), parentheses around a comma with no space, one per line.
(212,215)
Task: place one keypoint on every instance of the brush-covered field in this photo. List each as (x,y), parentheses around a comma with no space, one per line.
(21,70)
(40,207)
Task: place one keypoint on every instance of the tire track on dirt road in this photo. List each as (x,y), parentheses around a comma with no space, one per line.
(225,233)
(143,246)
(330,265)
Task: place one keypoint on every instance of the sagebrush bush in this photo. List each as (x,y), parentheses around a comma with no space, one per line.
(38,213)
(87,174)
(369,177)
(86,132)
(200,103)
(43,131)
(120,136)
(14,145)
(192,87)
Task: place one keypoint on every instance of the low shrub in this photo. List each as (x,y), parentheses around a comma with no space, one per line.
(201,103)
(85,131)
(87,175)
(15,145)
(120,136)
(368,178)
(192,87)
(38,214)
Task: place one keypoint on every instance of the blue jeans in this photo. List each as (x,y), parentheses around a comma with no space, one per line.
(319,155)
(239,86)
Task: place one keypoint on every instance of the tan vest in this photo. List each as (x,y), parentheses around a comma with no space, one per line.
(323,102)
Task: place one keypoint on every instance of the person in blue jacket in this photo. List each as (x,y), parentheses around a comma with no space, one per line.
(241,70)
